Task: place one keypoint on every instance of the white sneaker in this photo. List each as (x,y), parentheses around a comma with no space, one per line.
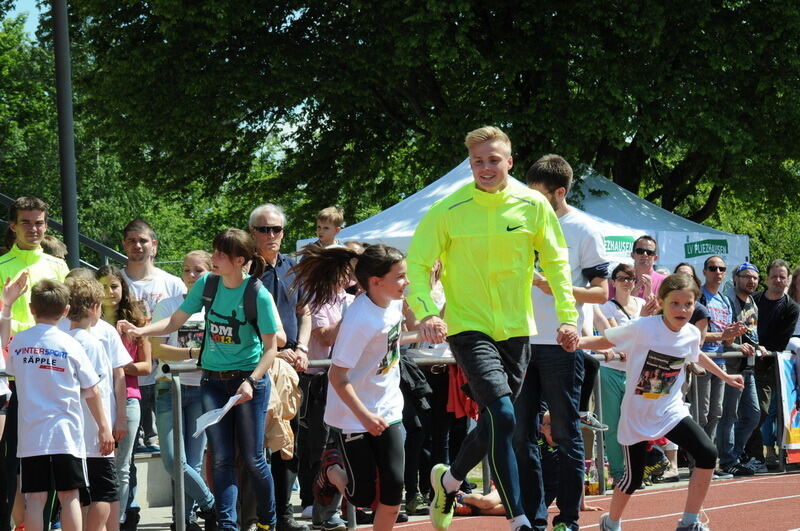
(306,514)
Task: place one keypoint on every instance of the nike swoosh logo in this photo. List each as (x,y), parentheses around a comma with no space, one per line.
(509,229)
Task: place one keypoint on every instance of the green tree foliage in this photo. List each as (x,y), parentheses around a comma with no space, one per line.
(669,96)
(183,218)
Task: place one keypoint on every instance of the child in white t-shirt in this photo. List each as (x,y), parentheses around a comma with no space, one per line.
(85,297)
(658,347)
(364,402)
(53,374)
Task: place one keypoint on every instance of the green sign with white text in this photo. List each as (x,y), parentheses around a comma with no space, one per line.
(705,247)
(618,244)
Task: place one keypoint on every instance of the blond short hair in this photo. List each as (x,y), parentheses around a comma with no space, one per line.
(333,215)
(83,294)
(487,133)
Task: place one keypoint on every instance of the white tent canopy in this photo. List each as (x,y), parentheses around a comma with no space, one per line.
(621,217)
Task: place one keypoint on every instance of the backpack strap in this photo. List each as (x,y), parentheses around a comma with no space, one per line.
(209,292)
(251,303)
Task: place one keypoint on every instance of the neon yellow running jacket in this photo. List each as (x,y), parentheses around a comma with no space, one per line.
(486,243)
(39,266)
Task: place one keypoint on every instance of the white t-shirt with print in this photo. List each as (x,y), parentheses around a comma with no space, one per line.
(188,335)
(612,311)
(161,285)
(102,367)
(585,244)
(108,336)
(368,346)
(653,403)
(50,368)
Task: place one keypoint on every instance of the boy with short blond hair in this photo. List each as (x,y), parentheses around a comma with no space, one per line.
(52,374)
(85,297)
(329,223)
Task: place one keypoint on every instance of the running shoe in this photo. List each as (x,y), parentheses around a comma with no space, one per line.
(590,422)
(604,525)
(719,474)
(657,469)
(417,505)
(323,489)
(773,462)
(696,526)
(334,523)
(740,470)
(442,504)
(758,466)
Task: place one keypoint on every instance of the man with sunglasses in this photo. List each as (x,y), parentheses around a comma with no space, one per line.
(721,332)
(740,411)
(266,225)
(648,280)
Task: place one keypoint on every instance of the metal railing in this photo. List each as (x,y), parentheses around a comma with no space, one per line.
(177,368)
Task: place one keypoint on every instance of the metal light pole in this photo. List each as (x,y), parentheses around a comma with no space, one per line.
(66,133)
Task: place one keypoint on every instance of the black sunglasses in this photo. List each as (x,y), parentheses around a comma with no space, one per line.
(648,252)
(714,269)
(266,229)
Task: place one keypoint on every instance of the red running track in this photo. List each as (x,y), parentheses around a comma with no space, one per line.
(760,502)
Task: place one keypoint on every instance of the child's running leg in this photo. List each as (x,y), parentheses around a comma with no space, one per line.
(687,434)
(71,519)
(360,465)
(634,472)
(34,507)
(97,516)
(388,449)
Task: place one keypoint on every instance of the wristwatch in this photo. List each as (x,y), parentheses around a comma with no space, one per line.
(302,347)
(252,382)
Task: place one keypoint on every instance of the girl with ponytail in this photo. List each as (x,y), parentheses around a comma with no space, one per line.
(364,402)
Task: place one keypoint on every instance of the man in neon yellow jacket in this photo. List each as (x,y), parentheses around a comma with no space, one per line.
(485,235)
(28,220)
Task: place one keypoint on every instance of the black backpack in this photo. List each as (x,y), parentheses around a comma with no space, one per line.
(250,304)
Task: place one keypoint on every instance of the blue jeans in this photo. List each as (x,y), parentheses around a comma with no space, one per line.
(768,427)
(740,416)
(124,454)
(195,488)
(242,425)
(554,377)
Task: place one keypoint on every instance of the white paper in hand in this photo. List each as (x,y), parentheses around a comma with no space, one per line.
(210,418)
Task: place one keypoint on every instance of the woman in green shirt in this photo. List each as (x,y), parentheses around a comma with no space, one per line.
(235,358)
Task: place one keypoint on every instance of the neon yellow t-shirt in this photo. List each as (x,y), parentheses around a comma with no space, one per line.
(486,243)
(39,266)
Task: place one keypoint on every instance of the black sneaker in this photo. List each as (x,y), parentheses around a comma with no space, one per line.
(739,470)
(209,516)
(363,517)
(131,522)
(290,524)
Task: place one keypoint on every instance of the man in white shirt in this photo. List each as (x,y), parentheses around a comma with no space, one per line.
(554,375)
(149,284)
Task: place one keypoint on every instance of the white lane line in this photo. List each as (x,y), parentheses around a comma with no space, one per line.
(765,500)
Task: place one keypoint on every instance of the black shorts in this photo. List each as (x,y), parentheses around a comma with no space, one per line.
(4,404)
(102,481)
(374,464)
(493,369)
(43,473)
